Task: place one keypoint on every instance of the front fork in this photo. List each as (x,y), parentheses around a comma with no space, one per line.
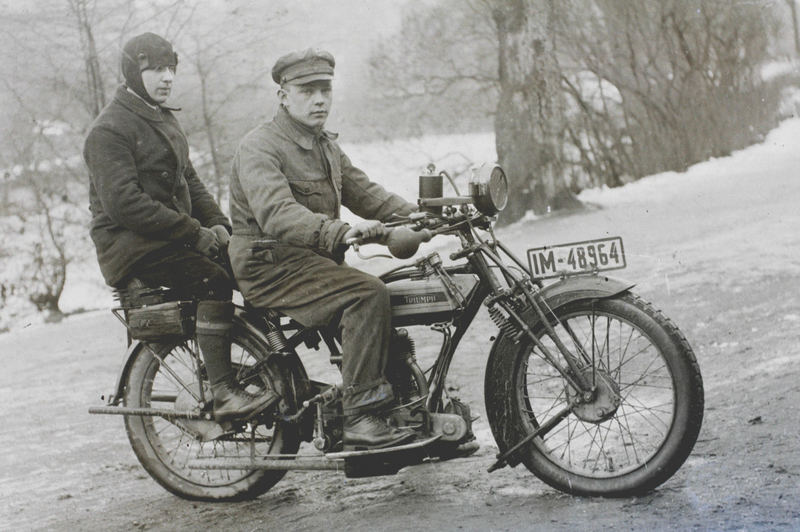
(505,308)
(505,311)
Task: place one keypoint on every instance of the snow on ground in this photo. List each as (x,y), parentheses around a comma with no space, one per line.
(754,224)
(766,157)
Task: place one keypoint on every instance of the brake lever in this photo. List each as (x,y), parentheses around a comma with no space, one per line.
(356,244)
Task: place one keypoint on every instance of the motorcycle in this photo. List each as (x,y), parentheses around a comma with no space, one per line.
(586,384)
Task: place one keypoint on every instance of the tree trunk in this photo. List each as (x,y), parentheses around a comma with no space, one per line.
(530,121)
(793,9)
(94,78)
(208,124)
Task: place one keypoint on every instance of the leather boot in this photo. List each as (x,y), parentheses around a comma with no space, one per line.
(214,320)
(368,431)
(231,402)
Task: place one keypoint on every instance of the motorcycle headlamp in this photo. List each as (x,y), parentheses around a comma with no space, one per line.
(488,188)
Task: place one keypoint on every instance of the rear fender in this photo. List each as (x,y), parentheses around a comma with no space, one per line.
(115,398)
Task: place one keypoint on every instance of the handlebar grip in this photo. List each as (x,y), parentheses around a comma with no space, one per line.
(403,243)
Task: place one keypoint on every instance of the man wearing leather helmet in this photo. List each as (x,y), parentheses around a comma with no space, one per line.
(153,221)
(290,178)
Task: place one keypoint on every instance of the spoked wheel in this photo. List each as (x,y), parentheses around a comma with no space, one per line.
(171,376)
(639,424)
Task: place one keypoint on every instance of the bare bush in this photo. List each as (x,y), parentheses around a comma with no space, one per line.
(683,76)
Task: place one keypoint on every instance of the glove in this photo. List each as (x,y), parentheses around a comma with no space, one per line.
(222,235)
(368,231)
(206,242)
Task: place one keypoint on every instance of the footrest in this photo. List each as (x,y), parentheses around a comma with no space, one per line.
(388,450)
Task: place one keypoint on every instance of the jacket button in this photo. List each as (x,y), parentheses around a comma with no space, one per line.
(164,174)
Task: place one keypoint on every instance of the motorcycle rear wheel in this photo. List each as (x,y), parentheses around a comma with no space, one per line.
(166,376)
(646,415)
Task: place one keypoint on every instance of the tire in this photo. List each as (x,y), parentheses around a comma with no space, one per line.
(641,425)
(164,447)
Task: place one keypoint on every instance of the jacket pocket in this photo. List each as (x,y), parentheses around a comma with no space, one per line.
(316,196)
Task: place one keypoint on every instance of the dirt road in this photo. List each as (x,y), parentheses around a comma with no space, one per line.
(720,255)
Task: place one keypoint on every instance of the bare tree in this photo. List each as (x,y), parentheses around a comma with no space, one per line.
(795,29)
(217,56)
(53,89)
(469,61)
(530,122)
(94,78)
(585,93)
(442,57)
(683,75)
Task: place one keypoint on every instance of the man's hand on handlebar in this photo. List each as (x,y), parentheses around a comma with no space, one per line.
(366,232)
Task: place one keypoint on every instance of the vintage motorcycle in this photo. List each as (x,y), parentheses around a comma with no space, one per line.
(586,384)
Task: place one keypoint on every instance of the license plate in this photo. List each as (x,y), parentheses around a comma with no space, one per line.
(577,257)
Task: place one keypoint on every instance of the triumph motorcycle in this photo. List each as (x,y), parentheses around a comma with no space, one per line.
(586,384)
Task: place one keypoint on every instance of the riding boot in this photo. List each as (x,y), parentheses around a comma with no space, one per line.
(367,431)
(214,320)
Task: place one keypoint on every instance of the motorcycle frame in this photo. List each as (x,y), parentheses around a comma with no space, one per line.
(489,290)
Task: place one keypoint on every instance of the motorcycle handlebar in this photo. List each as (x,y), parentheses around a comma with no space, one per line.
(402,242)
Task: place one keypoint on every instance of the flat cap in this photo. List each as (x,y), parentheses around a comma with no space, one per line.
(303,67)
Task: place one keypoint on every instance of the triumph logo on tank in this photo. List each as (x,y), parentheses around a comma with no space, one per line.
(417,299)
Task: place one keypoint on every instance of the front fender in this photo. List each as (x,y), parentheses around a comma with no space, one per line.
(498,385)
(571,289)
(583,287)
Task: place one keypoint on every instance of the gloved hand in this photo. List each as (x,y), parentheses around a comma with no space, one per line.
(206,242)
(222,235)
(368,231)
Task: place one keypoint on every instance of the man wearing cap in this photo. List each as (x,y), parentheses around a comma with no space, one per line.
(290,178)
(153,221)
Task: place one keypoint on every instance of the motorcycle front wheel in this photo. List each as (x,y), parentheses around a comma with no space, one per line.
(644,416)
(171,376)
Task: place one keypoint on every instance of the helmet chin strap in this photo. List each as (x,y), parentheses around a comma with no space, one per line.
(137,86)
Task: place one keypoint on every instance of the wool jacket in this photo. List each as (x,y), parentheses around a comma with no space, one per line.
(144,193)
(289,182)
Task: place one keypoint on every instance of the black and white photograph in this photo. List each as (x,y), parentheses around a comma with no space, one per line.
(489,265)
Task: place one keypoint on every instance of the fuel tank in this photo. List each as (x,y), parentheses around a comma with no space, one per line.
(426,301)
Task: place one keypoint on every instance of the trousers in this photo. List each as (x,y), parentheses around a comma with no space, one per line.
(187,271)
(317,291)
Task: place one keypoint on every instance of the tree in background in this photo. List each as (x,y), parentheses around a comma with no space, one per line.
(457,64)
(223,79)
(62,68)
(684,79)
(795,29)
(438,74)
(588,93)
(531,116)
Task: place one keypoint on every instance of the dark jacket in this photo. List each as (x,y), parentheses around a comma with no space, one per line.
(289,182)
(144,193)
